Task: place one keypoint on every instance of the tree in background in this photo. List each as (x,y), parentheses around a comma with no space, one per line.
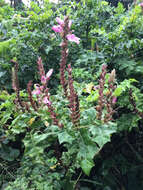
(125,2)
(16,3)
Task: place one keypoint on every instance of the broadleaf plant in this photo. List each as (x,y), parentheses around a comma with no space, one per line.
(66,139)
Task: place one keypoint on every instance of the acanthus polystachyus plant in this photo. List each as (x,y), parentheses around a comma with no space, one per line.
(73,99)
(101,99)
(110,98)
(106,100)
(64,29)
(40,91)
(15,85)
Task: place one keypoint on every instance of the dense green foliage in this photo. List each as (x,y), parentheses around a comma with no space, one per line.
(103,150)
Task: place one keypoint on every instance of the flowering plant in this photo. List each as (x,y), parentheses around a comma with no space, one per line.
(70,128)
(61,29)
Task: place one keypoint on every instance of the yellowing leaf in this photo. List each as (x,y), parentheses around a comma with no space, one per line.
(31,121)
(46,124)
(54,166)
(89,87)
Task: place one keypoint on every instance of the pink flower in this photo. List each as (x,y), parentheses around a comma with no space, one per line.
(36,92)
(60,29)
(96,87)
(46,101)
(41,88)
(114,99)
(57,28)
(73,38)
(49,74)
(141,4)
(70,23)
(43,80)
(60,21)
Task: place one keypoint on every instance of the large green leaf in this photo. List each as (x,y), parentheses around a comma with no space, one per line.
(65,137)
(88,116)
(86,166)
(87,151)
(8,153)
(87,147)
(101,134)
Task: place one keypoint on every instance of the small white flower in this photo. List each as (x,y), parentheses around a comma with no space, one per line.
(54,1)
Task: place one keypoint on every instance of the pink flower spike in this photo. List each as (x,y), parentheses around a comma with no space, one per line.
(57,28)
(46,101)
(43,80)
(49,74)
(73,38)
(59,21)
